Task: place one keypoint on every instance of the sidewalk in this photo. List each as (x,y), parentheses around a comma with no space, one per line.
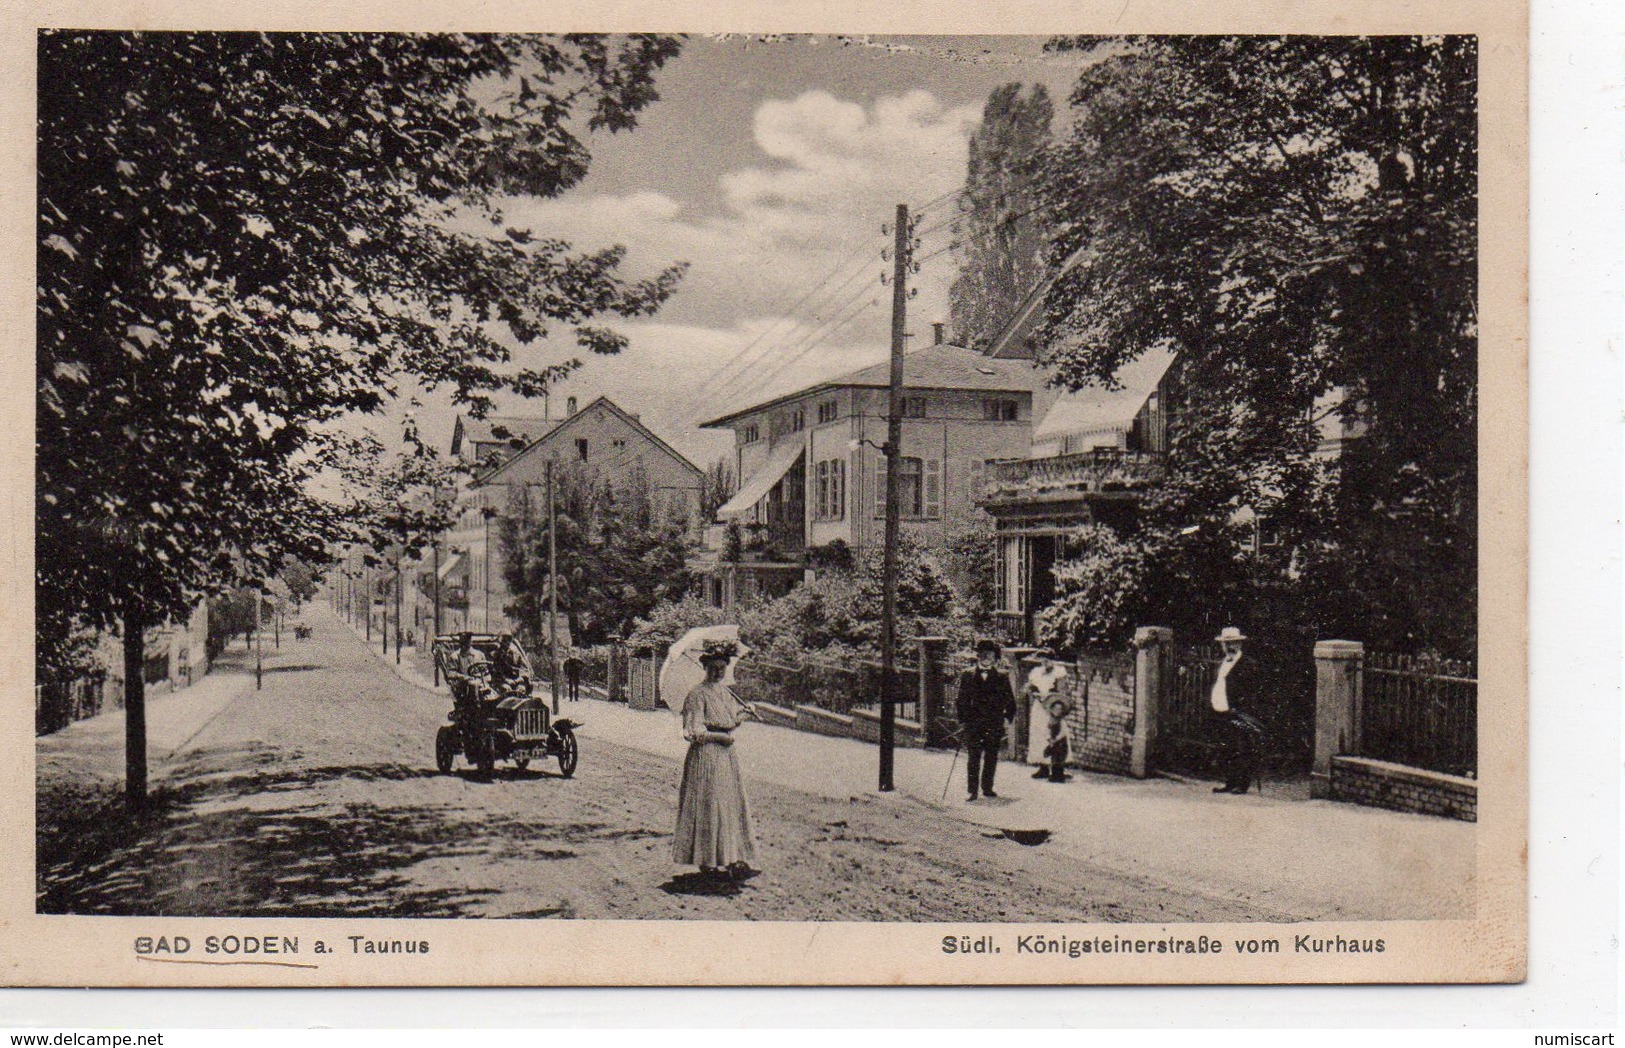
(94,748)
(1311,859)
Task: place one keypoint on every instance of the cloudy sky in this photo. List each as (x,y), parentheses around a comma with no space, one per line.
(770,167)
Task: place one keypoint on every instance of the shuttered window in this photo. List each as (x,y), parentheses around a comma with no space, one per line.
(919,488)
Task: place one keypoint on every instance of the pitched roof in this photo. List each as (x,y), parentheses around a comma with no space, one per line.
(560,425)
(1015,340)
(524,429)
(943,366)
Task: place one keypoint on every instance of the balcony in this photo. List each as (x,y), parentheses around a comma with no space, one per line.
(1100,471)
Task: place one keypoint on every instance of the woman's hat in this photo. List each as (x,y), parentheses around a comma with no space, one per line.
(1230,633)
(1059,707)
(719,650)
(987,645)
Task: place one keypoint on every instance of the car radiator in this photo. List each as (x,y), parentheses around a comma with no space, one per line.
(531,724)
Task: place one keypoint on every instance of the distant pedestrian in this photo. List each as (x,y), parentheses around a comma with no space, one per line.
(713,816)
(1239,734)
(986,705)
(572,675)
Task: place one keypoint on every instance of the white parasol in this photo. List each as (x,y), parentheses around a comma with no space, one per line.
(682,670)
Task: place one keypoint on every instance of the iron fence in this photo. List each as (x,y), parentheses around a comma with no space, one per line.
(1285,704)
(1420,711)
(836,687)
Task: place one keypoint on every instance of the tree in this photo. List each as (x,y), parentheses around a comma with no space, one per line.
(999,231)
(719,488)
(1297,217)
(972,565)
(300,579)
(619,554)
(402,504)
(245,236)
(839,611)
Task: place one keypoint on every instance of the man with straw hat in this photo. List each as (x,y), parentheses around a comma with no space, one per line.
(1235,685)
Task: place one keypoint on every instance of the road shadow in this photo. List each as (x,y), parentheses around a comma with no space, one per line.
(504,774)
(302,667)
(251,832)
(697,883)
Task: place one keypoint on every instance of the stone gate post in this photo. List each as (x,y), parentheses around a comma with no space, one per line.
(1153,653)
(1337,707)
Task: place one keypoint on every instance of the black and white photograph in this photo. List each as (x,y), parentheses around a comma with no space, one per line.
(1024,493)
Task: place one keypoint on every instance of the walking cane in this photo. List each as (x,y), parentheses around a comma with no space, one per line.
(959,743)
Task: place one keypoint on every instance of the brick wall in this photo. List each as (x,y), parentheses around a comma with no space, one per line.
(1381,784)
(1100,728)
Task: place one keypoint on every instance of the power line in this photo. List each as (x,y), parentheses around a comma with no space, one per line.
(767,349)
(803,341)
(789,314)
(799,347)
(793,360)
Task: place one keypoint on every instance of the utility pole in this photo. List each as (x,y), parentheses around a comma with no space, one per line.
(399,587)
(893,450)
(259,642)
(552,591)
(436,608)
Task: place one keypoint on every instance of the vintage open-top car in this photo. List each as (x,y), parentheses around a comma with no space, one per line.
(495,716)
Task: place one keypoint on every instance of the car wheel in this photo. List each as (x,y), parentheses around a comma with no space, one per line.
(485,760)
(568,752)
(445,748)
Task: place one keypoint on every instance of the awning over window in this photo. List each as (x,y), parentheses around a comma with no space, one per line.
(778,463)
(1096,410)
(452,563)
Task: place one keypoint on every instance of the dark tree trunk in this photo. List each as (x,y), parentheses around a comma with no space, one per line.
(135,709)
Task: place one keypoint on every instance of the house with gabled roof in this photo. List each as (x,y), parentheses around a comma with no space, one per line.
(601,438)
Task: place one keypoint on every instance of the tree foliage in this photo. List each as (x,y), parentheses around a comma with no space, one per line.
(1297,217)
(720,486)
(619,553)
(245,236)
(999,231)
(838,613)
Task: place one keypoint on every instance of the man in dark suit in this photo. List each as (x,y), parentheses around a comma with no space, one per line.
(1240,734)
(986,704)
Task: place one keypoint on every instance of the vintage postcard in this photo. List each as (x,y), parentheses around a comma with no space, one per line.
(1018,494)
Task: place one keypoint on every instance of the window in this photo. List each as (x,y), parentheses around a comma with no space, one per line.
(1000,409)
(913,407)
(798,420)
(581,448)
(620,445)
(750,434)
(829,411)
(919,488)
(829,490)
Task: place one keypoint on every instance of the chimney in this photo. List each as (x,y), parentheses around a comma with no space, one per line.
(937,330)
(569,407)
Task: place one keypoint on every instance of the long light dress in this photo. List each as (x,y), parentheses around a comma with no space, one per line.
(713,817)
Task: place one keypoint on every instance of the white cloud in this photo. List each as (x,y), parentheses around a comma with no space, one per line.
(835,172)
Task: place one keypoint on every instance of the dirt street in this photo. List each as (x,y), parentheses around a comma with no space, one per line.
(318,797)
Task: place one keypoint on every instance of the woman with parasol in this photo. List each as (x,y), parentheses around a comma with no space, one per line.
(713,817)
